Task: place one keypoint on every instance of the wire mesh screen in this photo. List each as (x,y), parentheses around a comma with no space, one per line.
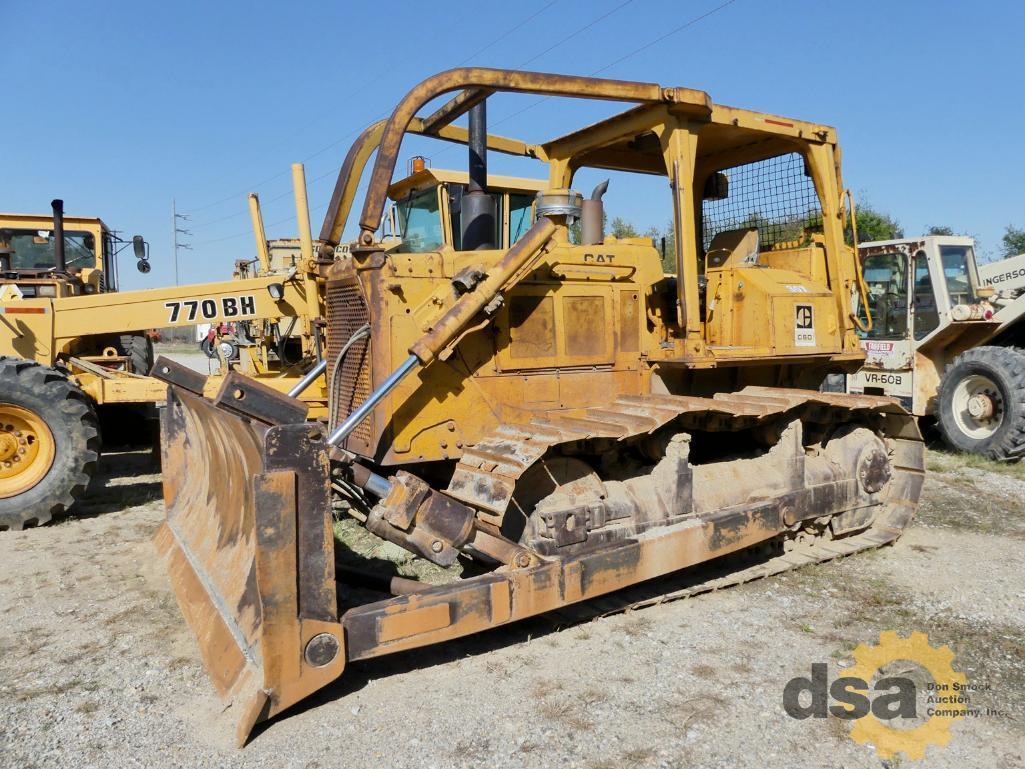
(773,195)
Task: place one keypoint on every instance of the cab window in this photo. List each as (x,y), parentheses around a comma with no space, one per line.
(887,281)
(109,264)
(33,249)
(926,316)
(419,222)
(521,209)
(956,261)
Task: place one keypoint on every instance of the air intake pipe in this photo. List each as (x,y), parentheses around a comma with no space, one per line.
(592,217)
(59,260)
(478,207)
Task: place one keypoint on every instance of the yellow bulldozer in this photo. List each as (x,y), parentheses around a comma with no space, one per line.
(564,419)
(73,348)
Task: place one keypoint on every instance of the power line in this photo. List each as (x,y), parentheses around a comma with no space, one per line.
(352,94)
(351,134)
(621,59)
(668,34)
(508,32)
(314,210)
(675,30)
(570,36)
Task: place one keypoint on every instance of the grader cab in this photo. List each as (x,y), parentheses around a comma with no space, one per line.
(565,415)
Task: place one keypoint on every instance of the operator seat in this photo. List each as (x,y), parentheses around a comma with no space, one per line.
(732,248)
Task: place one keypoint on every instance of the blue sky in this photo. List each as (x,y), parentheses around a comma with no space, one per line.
(119,107)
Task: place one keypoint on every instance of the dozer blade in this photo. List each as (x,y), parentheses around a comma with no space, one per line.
(249,522)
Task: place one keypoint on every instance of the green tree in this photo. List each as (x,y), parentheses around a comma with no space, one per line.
(665,243)
(623,229)
(874,224)
(939,229)
(1013,241)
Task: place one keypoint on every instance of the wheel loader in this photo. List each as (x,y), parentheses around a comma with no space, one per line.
(73,348)
(947,340)
(562,420)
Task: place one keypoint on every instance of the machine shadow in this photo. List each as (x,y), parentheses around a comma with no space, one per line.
(127,477)
(358,674)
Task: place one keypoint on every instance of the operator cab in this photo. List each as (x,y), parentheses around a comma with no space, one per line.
(32,266)
(917,286)
(426,212)
(923,295)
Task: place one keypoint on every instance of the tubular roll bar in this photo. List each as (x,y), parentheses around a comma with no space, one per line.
(475,84)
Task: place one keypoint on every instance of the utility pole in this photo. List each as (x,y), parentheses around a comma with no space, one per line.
(175,232)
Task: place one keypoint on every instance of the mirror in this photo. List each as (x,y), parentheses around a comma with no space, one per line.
(143,266)
(139,246)
(717,187)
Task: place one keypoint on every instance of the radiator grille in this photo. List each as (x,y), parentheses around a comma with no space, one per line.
(346,312)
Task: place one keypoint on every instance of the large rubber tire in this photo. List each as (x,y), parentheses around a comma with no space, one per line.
(139,349)
(1000,373)
(70,416)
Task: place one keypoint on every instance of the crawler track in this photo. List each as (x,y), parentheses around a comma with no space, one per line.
(496,462)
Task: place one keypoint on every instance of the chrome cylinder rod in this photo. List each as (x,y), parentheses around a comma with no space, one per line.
(311,376)
(345,428)
(377,485)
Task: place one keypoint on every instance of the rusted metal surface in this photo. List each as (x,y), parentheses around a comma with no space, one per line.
(452,109)
(178,375)
(422,520)
(251,556)
(351,171)
(249,551)
(516,260)
(251,398)
(472,79)
(350,384)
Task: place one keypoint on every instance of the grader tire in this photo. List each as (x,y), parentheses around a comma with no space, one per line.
(139,349)
(982,403)
(49,443)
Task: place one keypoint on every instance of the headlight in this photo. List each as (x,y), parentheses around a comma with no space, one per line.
(50,290)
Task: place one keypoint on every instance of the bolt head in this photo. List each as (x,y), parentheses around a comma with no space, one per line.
(321,650)
(437,546)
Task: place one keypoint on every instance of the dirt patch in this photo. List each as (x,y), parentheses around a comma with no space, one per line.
(97,668)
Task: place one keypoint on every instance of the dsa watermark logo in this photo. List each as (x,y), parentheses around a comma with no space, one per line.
(895,712)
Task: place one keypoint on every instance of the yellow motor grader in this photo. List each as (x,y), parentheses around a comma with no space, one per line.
(563,414)
(73,348)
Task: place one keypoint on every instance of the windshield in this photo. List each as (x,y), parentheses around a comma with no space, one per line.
(886,277)
(419,223)
(956,261)
(33,249)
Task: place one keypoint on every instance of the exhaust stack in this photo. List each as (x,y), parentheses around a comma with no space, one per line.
(592,217)
(478,208)
(60,261)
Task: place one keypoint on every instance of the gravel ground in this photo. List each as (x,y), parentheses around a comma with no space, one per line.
(196,361)
(97,669)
